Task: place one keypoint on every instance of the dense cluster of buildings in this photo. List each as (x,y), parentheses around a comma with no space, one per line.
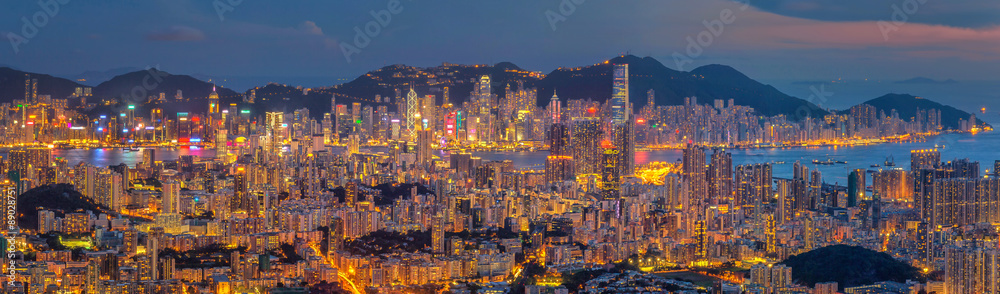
(286,198)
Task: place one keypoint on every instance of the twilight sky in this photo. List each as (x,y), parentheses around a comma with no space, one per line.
(776,39)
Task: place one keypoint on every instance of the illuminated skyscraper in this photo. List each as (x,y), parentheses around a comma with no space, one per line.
(485,94)
(624,139)
(241,195)
(693,173)
(446,96)
(555,108)
(620,107)
(701,246)
(720,176)
(34,91)
(412,108)
(92,282)
(855,187)
(437,234)
(586,145)
(924,158)
(351,193)
(213,102)
(18,162)
(753,183)
(972,268)
(336,238)
(170,197)
(610,176)
(424,149)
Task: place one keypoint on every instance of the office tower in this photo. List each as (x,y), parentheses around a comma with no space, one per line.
(694,174)
(437,234)
(753,184)
(153,247)
(412,108)
(964,201)
(18,162)
(864,116)
(351,193)
(701,246)
(170,197)
(221,143)
(92,283)
(996,168)
(27,87)
(923,245)
(485,94)
(555,108)
(610,176)
(485,113)
(620,108)
(771,277)
(213,102)
(651,98)
(148,157)
(962,168)
(624,139)
(559,165)
(893,185)
(336,238)
(924,158)
(816,188)
(586,145)
(855,187)
(424,149)
(446,96)
(720,176)
(784,211)
(34,91)
(241,194)
(559,140)
(972,268)
(559,168)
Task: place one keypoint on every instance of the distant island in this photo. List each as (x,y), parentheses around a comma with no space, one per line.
(926,81)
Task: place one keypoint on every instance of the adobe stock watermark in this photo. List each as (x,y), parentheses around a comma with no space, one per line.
(38,20)
(154,76)
(818,97)
(225,6)
(900,16)
(12,230)
(372,29)
(566,8)
(713,29)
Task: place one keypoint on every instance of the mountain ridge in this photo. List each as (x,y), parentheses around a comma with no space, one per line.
(670,87)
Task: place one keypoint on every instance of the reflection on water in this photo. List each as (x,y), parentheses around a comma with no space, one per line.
(980,147)
(116,156)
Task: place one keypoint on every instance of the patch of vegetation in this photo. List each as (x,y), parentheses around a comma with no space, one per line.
(849,266)
(214,255)
(383,242)
(60,198)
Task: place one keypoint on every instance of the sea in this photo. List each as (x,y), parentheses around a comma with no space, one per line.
(982,147)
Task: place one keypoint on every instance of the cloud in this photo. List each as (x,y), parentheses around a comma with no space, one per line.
(955,13)
(310,27)
(176,34)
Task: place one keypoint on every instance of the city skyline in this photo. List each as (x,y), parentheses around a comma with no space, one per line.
(771,147)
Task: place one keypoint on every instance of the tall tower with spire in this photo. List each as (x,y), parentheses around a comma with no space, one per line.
(213,102)
(555,108)
(412,106)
